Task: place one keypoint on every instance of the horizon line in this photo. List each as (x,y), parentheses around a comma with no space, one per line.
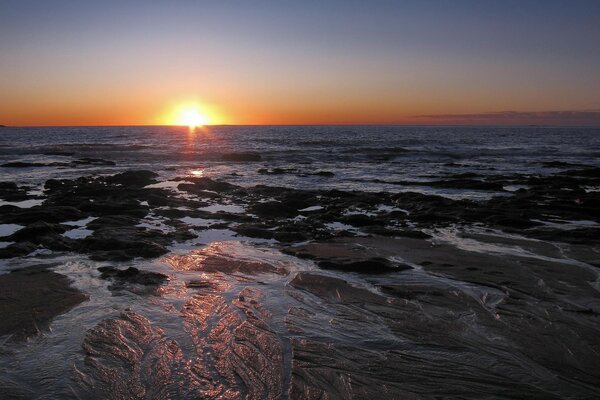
(507,125)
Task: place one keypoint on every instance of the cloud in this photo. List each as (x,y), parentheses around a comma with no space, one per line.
(579,118)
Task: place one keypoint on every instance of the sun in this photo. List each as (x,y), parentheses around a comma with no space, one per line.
(192,117)
(193,114)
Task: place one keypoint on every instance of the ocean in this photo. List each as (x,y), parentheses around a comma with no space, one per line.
(299,262)
(369,158)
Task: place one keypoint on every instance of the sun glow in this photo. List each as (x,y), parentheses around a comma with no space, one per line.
(193,114)
(192,117)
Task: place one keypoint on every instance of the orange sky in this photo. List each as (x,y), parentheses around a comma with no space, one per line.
(115,63)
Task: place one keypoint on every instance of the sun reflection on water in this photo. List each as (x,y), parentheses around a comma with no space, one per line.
(198,172)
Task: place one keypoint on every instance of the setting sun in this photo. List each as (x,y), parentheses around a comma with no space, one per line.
(192,117)
(192,114)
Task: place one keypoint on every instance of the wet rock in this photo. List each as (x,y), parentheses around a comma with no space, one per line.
(134,178)
(254,231)
(31,297)
(33,232)
(112,220)
(17,250)
(290,236)
(127,358)
(42,233)
(372,265)
(47,213)
(360,220)
(334,289)
(123,244)
(132,275)
(273,209)
(200,185)
(345,255)
(412,234)
(215,258)
(9,191)
(243,156)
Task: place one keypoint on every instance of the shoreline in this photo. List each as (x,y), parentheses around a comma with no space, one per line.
(291,281)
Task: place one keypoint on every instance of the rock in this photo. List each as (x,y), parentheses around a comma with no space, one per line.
(218,258)
(375,265)
(346,255)
(51,214)
(243,156)
(290,236)
(17,250)
(334,289)
(273,209)
(31,297)
(254,231)
(123,244)
(203,184)
(132,275)
(134,178)
(127,358)
(41,233)
(33,232)
(9,191)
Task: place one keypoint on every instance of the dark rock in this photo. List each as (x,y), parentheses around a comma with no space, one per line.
(345,255)
(36,230)
(48,213)
(31,297)
(254,231)
(132,275)
(374,265)
(123,244)
(112,220)
(9,191)
(290,236)
(412,234)
(273,209)
(17,250)
(135,178)
(203,184)
(360,220)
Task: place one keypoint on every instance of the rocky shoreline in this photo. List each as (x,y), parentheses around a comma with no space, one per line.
(371,301)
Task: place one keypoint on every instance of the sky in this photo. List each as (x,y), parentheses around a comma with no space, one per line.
(129,62)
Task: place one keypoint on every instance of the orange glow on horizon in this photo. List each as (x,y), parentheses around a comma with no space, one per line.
(191,114)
